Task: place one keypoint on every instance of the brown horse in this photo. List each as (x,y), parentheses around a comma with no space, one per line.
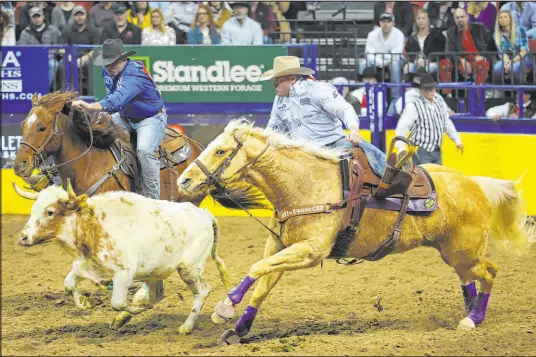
(55,128)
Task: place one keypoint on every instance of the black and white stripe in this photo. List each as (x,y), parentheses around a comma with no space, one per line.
(427,131)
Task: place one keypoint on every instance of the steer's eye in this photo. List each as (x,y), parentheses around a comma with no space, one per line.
(41,129)
(50,212)
(220,152)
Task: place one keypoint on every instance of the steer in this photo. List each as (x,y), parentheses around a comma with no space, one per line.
(124,236)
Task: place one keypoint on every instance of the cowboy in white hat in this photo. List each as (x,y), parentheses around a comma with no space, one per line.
(313,110)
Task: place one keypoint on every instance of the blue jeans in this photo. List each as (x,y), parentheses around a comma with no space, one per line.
(498,68)
(52,67)
(150,132)
(395,69)
(432,67)
(375,156)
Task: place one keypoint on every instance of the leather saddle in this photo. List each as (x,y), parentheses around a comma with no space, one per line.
(174,149)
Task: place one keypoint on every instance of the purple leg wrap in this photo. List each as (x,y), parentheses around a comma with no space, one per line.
(469,296)
(246,320)
(478,314)
(237,294)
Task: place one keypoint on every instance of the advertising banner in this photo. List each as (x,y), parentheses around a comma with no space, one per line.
(11,138)
(24,72)
(211,74)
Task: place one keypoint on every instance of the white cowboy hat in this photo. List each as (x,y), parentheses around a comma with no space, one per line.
(284,66)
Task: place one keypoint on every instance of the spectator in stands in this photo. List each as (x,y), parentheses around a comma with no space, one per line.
(53,15)
(512,45)
(384,49)
(402,12)
(281,26)
(511,110)
(39,32)
(370,75)
(158,34)
(524,14)
(427,118)
(413,93)
(342,81)
(203,31)
(7,30)
(265,16)
(80,33)
(482,11)
(466,37)
(121,29)
(440,13)
(67,10)
(180,15)
(240,29)
(102,14)
(162,5)
(139,14)
(424,40)
(222,12)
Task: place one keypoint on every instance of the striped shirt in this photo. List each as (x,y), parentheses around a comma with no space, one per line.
(427,121)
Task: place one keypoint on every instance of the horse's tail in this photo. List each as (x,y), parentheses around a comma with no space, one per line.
(220,264)
(509,222)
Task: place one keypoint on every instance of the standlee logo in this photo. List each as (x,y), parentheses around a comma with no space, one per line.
(219,72)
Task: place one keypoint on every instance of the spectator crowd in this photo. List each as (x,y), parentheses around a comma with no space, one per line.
(478,41)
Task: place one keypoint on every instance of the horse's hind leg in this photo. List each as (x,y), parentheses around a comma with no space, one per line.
(193,277)
(484,271)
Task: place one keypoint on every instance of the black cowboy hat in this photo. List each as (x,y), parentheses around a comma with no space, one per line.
(370,72)
(427,81)
(233,4)
(112,51)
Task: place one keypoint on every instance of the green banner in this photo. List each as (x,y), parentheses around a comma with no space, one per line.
(210,74)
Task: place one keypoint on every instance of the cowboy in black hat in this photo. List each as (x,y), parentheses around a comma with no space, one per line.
(427,118)
(137,105)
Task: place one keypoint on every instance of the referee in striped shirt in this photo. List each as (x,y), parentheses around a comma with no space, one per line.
(427,118)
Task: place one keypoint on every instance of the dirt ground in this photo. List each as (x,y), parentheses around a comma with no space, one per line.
(332,310)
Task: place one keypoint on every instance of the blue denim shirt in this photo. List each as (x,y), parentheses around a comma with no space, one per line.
(314,111)
(132,93)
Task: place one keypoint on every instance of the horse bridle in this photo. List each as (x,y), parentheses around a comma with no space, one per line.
(38,153)
(214,178)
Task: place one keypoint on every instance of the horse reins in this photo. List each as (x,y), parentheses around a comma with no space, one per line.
(214,178)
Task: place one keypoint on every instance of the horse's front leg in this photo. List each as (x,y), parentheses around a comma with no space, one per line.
(298,256)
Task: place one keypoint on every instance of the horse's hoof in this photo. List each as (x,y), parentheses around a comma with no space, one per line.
(217,319)
(120,319)
(466,325)
(229,337)
(224,310)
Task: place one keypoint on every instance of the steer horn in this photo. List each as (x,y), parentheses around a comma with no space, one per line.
(25,194)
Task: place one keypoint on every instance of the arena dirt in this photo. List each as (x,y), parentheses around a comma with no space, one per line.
(406,304)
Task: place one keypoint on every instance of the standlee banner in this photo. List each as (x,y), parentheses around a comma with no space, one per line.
(24,72)
(210,74)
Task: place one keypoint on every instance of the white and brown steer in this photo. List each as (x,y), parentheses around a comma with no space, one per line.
(124,236)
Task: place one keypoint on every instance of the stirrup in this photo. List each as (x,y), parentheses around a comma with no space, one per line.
(397,178)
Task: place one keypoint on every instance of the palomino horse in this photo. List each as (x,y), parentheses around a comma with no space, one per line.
(294,173)
(85,156)
(47,130)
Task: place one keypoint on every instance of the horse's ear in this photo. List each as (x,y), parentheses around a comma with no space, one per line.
(35,100)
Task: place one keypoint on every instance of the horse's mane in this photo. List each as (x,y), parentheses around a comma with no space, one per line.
(104,130)
(278,140)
